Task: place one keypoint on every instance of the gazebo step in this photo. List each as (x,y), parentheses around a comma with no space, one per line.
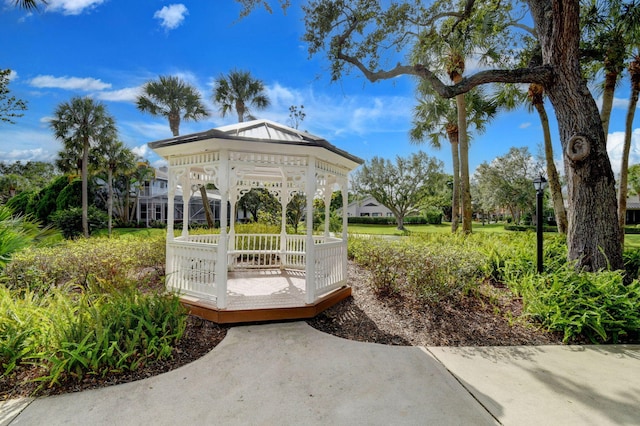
(209,311)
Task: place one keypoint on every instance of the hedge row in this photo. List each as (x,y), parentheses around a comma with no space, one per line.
(433,219)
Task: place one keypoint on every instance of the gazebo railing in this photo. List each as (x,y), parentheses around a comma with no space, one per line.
(191,265)
(191,260)
(329,271)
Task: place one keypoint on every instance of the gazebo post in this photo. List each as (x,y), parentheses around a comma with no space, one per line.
(345,224)
(327,208)
(310,263)
(186,199)
(171,193)
(284,201)
(221,262)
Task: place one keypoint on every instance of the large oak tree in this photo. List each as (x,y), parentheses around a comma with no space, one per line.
(368,36)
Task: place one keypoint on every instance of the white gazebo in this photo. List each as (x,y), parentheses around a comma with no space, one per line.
(230,277)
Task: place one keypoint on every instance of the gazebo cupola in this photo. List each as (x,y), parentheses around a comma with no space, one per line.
(237,158)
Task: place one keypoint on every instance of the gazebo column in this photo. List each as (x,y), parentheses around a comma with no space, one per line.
(186,199)
(171,194)
(327,208)
(285,196)
(221,261)
(310,270)
(345,224)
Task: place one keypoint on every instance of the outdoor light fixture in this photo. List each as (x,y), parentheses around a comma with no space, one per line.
(539,183)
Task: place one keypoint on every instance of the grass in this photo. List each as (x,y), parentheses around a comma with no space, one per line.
(444,228)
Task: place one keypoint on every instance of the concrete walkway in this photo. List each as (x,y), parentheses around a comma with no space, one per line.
(291,374)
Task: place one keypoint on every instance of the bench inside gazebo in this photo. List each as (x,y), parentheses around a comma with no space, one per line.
(228,277)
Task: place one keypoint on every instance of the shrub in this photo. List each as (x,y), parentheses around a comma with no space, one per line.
(419,266)
(69,222)
(371,220)
(114,259)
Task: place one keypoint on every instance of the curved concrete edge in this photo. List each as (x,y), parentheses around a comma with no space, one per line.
(10,409)
(534,385)
(286,373)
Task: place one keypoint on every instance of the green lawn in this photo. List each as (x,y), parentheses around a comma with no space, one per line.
(420,229)
(630,240)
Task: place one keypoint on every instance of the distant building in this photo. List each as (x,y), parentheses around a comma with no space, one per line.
(368,206)
(153,202)
(633,210)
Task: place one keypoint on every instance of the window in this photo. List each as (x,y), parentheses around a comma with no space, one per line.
(376,214)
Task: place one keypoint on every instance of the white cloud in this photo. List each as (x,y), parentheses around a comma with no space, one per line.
(69,83)
(38,154)
(525,125)
(142,150)
(128,94)
(171,16)
(13,75)
(615,142)
(72,7)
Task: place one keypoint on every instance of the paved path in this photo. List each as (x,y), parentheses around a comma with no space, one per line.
(291,374)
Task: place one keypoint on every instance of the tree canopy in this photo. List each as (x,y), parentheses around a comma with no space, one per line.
(401,186)
(10,106)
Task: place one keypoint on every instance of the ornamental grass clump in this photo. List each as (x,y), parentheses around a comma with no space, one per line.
(72,332)
(598,306)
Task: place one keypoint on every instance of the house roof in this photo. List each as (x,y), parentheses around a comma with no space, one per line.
(258,132)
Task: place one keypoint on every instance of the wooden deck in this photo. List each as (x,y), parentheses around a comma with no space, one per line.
(264,295)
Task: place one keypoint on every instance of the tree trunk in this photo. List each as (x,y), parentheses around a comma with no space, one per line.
(110,199)
(610,80)
(593,235)
(85,188)
(206,206)
(634,71)
(400,220)
(455,198)
(464,164)
(174,123)
(552,173)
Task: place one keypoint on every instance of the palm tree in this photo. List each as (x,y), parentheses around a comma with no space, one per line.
(634,74)
(116,158)
(83,122)
(435,117)
(536,98)
(610,30)
(171,97)
(237,92)
(29,4)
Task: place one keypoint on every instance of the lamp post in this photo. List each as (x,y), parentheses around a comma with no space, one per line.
(539,183)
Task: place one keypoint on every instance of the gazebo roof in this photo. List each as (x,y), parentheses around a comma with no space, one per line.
(256,135)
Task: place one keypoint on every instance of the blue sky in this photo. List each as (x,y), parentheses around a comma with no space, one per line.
(107,49)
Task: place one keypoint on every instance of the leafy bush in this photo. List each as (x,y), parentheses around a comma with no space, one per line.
(598,306)
(114,259)
(532,228)
(69,222)
(419,266)
(433,216)
(70,333)
(371,220)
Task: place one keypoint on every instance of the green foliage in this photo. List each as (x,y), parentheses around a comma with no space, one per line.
(371,220)
(69,222)
(47,198)
(23,202)
(71,333)
(16,233)
(545,228)
(10,106)
(76,309)
(427,268)
(598,306)
(116,260)
(70,196)
(402,186)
